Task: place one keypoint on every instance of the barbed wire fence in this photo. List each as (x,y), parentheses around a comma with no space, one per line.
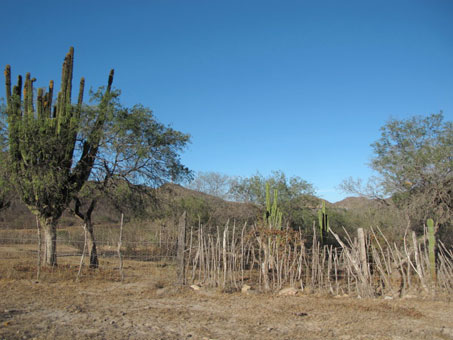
(231,256)
(133,251)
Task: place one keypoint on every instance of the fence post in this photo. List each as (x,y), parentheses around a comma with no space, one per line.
(38,226)
(120,242)
(181,248)
(362,252)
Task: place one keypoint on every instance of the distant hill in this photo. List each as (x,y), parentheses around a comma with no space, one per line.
(354,203)
(179,198)
(167,201)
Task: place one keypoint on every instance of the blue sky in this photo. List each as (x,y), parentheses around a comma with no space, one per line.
(297,86)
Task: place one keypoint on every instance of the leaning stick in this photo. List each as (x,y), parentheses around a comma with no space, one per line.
(83,252)
(119,248)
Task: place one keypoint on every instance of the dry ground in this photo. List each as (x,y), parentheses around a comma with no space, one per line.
(148,306)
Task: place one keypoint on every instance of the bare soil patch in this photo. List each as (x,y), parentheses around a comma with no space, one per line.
(150,309)
(147,305)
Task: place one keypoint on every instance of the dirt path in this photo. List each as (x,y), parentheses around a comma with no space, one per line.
(111,310)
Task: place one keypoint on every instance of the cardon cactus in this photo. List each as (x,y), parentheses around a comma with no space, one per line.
(42,140)
(273,215)
(323,220)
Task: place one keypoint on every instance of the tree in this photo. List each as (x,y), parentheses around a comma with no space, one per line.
(212,183)
(42,140)
(415,159)
(372,189)
(253,189)
(136,153)
(295,195)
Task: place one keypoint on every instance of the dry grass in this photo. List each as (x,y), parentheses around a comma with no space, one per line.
(273,259)
(231,256)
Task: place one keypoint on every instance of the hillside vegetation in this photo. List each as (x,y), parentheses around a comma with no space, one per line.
(165,204)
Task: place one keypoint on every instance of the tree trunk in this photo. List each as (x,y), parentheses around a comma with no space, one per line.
(50,237)
(94,262)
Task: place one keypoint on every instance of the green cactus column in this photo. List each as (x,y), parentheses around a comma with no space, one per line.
(273,215)
(42,139)
(323,220)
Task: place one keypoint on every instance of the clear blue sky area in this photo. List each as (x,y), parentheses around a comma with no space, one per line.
(298,86)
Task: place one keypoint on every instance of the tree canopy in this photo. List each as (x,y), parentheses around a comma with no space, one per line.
(253,189)
(414,158)
(136,153)
(414,161)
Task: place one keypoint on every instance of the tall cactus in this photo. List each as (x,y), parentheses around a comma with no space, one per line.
(323,220)
(42,141)
(273,215)
(273,221)
(431,248)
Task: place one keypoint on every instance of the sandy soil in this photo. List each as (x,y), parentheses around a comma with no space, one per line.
(148,306)
(96,309)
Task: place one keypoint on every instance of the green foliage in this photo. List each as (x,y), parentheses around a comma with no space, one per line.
(295,196)
(253,189)
(42,140)
(141,150)
(198,210)
(414,159)
(136,152)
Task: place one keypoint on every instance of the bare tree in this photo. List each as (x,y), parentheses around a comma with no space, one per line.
(212,183)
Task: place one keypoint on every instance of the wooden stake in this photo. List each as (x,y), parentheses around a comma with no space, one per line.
(38,226)
(181,248)
(83,252)
(362,253)
(119,248)
(224,255)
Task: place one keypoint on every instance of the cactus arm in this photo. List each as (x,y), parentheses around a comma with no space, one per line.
(320,221)
(90,147)
(8,84)
(49,100)
(323,220)
(267,213)
(46,138)
(40,104)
